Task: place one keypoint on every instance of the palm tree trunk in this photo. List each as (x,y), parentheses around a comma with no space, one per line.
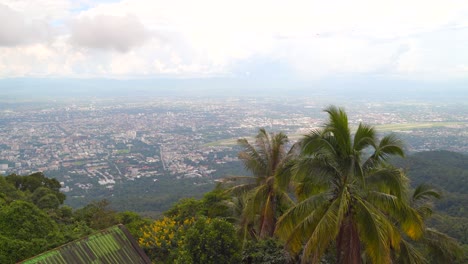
(348,243)
(268,220)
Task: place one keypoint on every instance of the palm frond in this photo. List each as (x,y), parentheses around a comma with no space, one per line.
(316,142)
(385,201)
(408,254)
(411,222)
(290,219)
(252,159)
(442,248)
(375,230)
(338,126)
(285,200)
(426,192)
(422,199)
(391,145)
(325,229)
(389,180)
(284,172)
(263,146)
(318,170)
(364,137)
(278,152)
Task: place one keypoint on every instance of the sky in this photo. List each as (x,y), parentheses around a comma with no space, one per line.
(297,41)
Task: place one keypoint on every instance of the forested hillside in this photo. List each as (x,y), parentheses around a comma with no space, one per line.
(447,171)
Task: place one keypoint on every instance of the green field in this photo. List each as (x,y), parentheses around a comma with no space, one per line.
(410,126)
(380,128)
(224,142)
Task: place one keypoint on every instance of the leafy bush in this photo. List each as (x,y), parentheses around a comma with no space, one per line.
(268,251)
(210,241)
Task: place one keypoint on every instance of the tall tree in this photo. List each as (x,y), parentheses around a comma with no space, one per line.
(97,215)
(268,159)
(347,193)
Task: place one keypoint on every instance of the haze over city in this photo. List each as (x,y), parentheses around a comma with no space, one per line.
(222,46)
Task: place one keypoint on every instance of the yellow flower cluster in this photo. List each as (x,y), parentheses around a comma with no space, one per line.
(164,234)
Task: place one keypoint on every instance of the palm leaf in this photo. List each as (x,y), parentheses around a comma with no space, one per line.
(338,126)
(425,192)
(375,230)
(364,137)
(443,249)
(251,158)
(389,180)
(288,226)
(325,227)
(409,254)
(422,199)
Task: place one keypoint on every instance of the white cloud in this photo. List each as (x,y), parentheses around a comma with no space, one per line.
(411,39)
(441,54)
(120,33)
(15,29)
(42,9)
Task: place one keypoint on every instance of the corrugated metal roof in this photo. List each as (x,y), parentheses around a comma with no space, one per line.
(112,245)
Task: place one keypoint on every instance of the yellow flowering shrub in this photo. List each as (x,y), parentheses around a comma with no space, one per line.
(163,237)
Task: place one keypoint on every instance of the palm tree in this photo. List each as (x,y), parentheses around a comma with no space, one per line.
(440,247)
(348,193)
(266,190)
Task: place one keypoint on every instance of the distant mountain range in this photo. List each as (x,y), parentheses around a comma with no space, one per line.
(338,88)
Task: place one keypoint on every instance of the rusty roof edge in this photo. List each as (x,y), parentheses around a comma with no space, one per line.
(134,244)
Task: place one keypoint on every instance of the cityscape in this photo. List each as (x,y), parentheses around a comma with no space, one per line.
(251,132)
(98,143)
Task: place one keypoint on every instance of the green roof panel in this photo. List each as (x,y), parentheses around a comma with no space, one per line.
(109,246)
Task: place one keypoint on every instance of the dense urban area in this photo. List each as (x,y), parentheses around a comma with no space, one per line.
(74,166)
(97,143)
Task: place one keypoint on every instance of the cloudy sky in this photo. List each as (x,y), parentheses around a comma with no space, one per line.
(304,40)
